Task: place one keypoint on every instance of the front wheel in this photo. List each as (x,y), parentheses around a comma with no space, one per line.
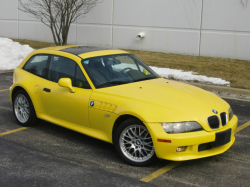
(23,109)
(134,143)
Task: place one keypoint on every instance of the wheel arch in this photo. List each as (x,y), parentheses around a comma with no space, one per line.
(15,90)
(121,119)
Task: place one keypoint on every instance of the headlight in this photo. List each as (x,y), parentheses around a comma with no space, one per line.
(181,127)
(230,113)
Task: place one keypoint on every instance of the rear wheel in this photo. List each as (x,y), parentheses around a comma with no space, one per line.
(23,109)
(134,143)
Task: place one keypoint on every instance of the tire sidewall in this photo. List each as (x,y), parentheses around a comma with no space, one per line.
(118,132)
(32,117)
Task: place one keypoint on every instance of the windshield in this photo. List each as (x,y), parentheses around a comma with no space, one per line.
(105,71)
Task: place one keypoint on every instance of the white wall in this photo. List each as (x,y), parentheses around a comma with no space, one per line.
(226,29)
(217,28)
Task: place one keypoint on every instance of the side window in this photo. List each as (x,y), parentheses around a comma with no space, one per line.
(81,81)
(61,67)
(37,65)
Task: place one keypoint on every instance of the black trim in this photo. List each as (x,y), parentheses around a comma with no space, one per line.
(222,138)
(46,90)
(83,49)
(205,146)
(75,75)
(47,67)
(223,117)
(213,122)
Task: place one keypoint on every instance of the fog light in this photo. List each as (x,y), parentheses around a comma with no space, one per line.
(181,149)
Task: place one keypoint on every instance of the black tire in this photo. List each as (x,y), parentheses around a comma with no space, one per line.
(124,128)
(31,119)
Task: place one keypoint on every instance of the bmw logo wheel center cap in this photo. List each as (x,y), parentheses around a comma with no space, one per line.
(138,142)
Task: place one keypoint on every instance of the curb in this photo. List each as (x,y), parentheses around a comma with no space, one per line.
(224,91)
(6,71)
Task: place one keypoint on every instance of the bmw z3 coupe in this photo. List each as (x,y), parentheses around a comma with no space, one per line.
(113,96)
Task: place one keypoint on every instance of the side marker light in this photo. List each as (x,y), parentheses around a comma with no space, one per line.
(166,141)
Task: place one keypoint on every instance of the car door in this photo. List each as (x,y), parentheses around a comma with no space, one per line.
(58,101)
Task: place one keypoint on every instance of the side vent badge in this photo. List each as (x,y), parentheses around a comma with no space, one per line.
(106,115)
(92,103)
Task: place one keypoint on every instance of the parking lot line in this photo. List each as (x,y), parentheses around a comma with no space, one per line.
(242,127)
(12,131)
(160,171)
(4,90)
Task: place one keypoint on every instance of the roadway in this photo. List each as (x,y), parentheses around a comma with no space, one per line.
(49,155)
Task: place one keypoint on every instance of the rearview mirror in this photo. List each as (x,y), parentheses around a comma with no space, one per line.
(66,82)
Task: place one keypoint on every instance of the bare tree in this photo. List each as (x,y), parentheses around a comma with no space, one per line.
(57,14)
(244,3)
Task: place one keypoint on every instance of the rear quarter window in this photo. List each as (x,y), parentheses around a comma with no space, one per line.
(37,65)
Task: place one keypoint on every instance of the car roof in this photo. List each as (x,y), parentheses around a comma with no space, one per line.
(81,50)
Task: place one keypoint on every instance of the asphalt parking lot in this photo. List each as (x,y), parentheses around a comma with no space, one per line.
(49,155)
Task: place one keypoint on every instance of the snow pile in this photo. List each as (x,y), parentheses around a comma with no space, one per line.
(12,53)
(188,76)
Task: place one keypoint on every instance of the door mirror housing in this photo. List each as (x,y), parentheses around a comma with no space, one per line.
(67,83)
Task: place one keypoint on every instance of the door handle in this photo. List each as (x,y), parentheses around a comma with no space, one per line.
(46,90)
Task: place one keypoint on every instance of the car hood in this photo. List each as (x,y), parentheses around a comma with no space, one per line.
(175,98)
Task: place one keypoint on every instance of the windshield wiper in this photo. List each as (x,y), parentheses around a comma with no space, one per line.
(112,82)
(143,79)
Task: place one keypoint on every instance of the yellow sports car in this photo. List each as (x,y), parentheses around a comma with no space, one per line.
(113,96)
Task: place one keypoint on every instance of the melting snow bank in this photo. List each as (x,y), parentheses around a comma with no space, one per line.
(188,76)
(12,53)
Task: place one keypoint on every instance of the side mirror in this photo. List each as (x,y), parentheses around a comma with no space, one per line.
(66,82)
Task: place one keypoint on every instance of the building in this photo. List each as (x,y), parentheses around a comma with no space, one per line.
(216,28)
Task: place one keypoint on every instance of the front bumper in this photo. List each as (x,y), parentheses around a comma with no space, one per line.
(192,140)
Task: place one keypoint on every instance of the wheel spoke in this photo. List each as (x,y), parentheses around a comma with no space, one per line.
(134,132)
(147,134)
(147,149)
(142,132)
(26,110)
(22,100)
(128,137)
(22,114)
(19,100)
(126,140)
(141,151)
(146,138)
(134,153)
(131,147)
(26,105)
(127,143)
(147,143)
(130,134)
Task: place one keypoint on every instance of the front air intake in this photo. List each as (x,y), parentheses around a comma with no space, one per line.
(213,122)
